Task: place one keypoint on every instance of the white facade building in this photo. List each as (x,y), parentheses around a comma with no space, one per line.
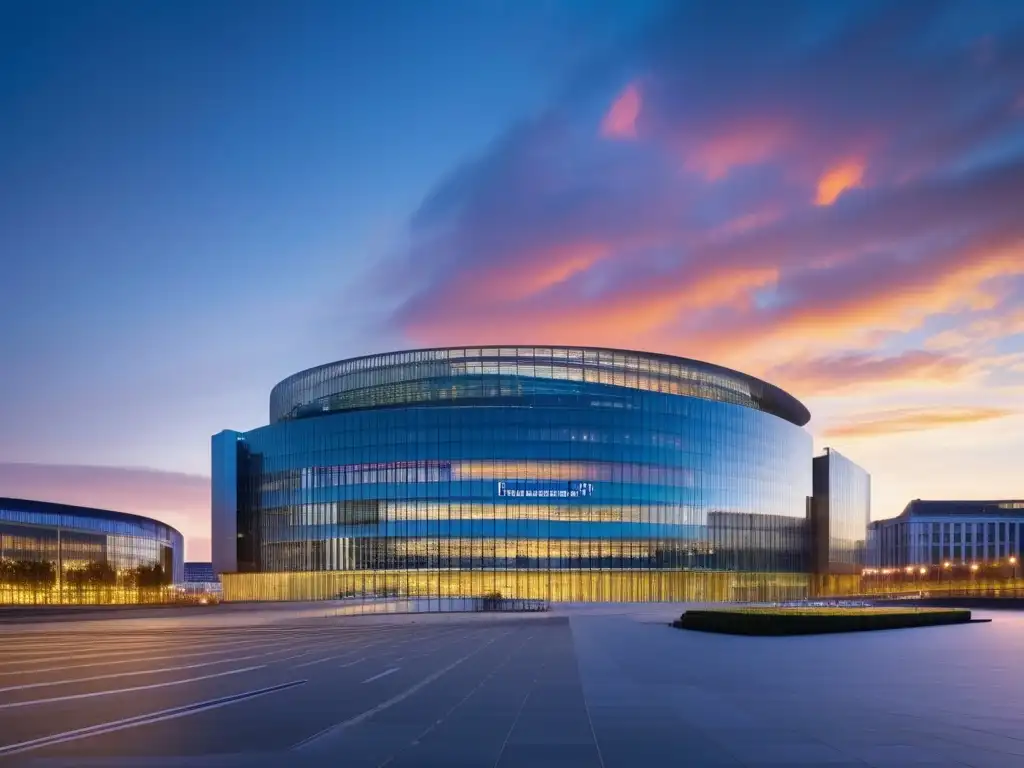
(933,533)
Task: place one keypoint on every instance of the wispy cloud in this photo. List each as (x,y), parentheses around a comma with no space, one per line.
(913,420)
(804,202)
(855,371)
(824,194)
(620,121)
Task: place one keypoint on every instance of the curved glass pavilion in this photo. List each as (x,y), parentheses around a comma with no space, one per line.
(535,472)
(58,553)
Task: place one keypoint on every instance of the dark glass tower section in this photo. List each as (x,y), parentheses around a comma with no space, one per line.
(840,513)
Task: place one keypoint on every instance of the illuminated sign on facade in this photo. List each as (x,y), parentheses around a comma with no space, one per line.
(544,489)
(381,472)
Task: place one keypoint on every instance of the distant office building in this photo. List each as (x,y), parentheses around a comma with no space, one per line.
(840,514)
(59,553)
(933,533)
(199,573)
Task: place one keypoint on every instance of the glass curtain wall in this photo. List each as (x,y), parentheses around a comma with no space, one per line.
(50,554)
(433,481)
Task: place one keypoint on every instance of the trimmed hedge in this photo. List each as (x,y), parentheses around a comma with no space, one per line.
(804,622)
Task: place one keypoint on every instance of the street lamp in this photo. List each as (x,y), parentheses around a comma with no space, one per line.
(1013,562)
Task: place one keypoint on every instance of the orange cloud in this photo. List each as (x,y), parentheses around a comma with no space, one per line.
(620,120)
(833,375)
(628,319)
(914,420)
(846,175)
(745,145)
(544,270)
(894,305)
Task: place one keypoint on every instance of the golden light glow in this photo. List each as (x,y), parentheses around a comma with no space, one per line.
(74,595)
(555,586)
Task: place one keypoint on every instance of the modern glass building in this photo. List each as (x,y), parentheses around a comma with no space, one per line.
(534,472)
(58,553)
(841,512)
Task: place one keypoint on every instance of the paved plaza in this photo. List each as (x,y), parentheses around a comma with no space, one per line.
(605,686)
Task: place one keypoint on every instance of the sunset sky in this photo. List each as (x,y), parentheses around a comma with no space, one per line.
(200,198)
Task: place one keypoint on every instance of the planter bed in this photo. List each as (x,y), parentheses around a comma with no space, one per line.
(812,621)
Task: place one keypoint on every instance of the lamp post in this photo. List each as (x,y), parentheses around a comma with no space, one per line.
(1013,562)
(974,571)
(948,568)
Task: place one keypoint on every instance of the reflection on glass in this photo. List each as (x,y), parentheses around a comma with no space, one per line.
(55,553)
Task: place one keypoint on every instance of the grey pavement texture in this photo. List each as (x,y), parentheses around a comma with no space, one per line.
(604,686)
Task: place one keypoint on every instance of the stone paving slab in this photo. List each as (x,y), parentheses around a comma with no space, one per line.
(936,696)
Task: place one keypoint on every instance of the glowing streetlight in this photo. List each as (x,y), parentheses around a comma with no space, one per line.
(910,569)
(974,566)
(947,564)
(1013,560)
(923,571)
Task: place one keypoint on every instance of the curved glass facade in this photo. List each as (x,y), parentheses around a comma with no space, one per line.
(626,477)
(58,553)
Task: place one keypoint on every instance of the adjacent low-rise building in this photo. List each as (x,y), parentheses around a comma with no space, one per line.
(59,553)
(948,533)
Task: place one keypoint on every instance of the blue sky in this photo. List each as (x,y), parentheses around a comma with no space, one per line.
(191,189)
(200,198)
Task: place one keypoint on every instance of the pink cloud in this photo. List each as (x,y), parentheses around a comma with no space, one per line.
(620,120)
(715,156)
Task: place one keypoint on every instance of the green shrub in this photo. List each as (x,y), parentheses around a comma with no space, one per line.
(802,621)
